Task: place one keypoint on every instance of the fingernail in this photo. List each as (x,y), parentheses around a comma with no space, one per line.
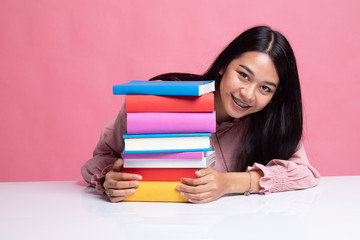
(132,191)
(189,200)
(177,187)
(136,183)
(182,194)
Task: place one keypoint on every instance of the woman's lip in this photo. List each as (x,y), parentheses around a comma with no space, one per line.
(239,103)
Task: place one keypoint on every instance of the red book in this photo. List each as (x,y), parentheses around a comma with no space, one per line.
(162,174)
(155,103)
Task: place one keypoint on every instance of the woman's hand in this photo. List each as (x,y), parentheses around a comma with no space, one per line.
(209,186)
(118,185)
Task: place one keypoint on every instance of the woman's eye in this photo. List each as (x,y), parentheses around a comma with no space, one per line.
(265,89)
(244,75)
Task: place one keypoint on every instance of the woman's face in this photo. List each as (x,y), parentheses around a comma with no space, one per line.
(247,86)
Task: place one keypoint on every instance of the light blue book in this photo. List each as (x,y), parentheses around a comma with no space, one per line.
(175,88)
(176,142)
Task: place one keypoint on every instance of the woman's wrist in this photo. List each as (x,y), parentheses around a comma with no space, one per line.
(239,182)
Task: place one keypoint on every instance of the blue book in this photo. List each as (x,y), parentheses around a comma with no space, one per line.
(175,88)
(176,142)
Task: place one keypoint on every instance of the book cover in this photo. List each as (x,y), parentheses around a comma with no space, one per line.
(166,150)
(204,162)
(156,191)
(151,122)
(154,103)
(165,155)
(175,142)
(162,174)
(177,88)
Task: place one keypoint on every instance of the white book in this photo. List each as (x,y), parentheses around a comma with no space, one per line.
(204,162)
(179,142)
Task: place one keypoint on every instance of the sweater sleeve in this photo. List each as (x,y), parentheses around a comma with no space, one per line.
(106,152)
(283,175)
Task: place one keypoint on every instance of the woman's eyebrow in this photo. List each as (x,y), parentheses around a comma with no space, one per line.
(252,73)
(247,69)
(271,84)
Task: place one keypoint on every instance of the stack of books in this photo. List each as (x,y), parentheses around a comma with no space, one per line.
(169,124)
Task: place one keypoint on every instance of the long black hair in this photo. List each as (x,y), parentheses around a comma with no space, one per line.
(276,130)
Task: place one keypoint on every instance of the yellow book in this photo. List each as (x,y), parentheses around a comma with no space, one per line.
(156,191)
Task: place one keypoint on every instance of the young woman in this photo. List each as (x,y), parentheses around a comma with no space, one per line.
(258,133)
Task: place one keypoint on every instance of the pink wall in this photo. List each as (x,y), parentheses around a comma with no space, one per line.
(59,60)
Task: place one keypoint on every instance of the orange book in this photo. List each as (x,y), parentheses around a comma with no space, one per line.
(150,191)
(156,103)
(162,174)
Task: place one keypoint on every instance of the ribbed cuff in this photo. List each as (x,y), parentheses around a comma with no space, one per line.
(98,179)
(274,180)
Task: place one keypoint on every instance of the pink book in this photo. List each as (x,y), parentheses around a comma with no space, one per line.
(165,155)
(148,123)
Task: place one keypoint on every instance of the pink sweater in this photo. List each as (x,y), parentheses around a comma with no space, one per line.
(279,175)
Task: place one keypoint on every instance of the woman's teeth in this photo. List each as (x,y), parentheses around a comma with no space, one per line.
(241,105)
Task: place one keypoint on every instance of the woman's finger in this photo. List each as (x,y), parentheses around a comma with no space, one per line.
(116,199)
(122,184)
(193,189)
(197,196)
(120,176)
(119,193)
(207,200)
(198,181)
(204,172)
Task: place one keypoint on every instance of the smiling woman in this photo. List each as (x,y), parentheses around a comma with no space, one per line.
(247,86)
(259,127)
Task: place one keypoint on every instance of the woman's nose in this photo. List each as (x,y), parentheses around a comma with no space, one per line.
(249,93)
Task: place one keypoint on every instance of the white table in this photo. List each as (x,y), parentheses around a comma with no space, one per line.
(71,210)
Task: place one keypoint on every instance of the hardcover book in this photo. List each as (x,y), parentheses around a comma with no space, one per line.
(165,155)
(162,174)
(156,191)
(204,162)
(154,103)
(177,88)
(176,142)
(145,123)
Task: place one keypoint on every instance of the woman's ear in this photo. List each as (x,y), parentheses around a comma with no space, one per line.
(221,71)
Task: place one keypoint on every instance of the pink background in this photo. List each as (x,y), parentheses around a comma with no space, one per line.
(59,60)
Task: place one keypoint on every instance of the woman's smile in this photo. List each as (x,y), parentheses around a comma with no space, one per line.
(239,104)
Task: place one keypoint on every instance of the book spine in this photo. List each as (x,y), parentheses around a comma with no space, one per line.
(162,174)
(156,90)
(162,135)
(153,103)
(165,155)
(153,191)
(166,150)
(165,163)
(148,123)
(167,143)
